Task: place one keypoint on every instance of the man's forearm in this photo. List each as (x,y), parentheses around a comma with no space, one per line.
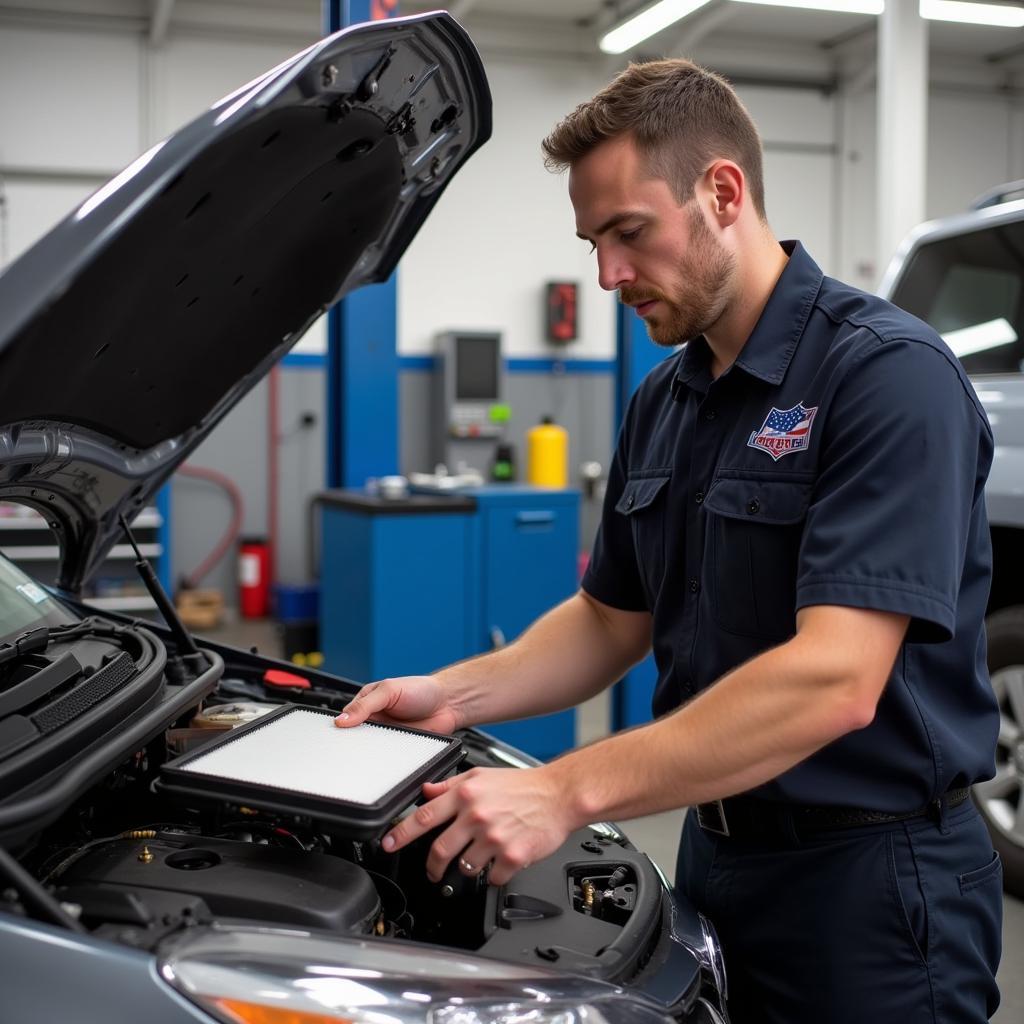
(754,724)
(569,654)
(749,727)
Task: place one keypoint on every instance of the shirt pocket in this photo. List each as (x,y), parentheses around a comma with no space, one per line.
(642,503)
(753,544)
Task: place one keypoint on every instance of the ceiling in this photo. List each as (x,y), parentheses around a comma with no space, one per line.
(571,27)
(724,21)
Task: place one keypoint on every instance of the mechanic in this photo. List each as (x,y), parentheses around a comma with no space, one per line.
(795,522)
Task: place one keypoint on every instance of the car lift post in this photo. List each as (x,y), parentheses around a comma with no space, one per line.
(362,348)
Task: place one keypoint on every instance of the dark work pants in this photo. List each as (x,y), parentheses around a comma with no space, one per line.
(893,924)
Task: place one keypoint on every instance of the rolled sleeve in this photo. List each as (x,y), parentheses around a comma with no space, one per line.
(904,459)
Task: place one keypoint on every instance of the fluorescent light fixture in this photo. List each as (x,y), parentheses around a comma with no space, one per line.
(648,22)
(1001,15)
(651,20)
(980,337)
(839,6)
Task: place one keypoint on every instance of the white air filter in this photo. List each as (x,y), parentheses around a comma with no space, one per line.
(296,761)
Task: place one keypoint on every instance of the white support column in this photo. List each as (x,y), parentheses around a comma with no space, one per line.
(159,19)
(902,124)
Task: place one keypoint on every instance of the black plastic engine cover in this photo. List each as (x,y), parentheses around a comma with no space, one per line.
(237,879)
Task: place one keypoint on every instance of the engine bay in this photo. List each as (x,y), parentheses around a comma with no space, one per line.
(131,861)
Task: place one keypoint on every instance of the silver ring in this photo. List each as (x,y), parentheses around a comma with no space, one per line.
(466,866)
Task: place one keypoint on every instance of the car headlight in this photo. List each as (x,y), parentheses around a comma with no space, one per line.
(275,976)
(716,961)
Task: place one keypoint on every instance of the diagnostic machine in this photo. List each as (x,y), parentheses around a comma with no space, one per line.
(470,413)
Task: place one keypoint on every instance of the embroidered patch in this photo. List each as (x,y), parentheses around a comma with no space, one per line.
(784,431)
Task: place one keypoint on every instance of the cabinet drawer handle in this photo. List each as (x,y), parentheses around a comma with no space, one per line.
(534,518)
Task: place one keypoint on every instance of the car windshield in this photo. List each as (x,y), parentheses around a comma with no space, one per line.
(24,604)
(968,287)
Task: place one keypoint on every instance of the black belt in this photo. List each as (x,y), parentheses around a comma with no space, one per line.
(747,817)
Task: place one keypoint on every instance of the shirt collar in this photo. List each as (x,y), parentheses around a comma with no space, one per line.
(770,347)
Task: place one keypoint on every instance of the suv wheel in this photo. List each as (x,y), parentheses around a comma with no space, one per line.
(1001,800)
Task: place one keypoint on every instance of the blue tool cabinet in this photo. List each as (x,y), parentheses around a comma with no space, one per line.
(395,579)
(529,540)
(411,584)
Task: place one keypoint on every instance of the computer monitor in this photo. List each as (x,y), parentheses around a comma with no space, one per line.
(477,359)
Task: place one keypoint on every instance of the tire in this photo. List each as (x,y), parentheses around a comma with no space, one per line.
(1001,800)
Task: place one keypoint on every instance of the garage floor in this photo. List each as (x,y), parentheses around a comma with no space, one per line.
(657,834)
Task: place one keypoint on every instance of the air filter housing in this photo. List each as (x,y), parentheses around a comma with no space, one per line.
(295,761)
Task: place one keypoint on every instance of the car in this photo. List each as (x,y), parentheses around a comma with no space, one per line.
(964,275)
(128,886)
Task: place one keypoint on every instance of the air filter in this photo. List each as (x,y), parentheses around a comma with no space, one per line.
(295,761)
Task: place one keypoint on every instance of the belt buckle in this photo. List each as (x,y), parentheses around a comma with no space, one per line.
(711,818)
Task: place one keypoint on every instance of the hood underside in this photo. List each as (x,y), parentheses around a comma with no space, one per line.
(131,329)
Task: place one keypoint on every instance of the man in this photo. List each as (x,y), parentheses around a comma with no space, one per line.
(795,522)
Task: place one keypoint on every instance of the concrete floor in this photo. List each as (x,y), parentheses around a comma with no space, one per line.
(658,834)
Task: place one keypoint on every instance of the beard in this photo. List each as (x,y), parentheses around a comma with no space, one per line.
(706,274)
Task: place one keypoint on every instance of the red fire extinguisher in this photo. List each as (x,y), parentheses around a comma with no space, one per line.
(254,578)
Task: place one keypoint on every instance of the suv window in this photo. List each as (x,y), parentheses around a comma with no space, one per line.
(969,289)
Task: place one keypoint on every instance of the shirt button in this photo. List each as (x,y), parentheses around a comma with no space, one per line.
(694,586)
(699,497)
(631,501)
(710,414)
(754,507)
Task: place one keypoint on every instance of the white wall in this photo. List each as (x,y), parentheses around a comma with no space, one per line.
(30,206)
(975,141)
(62,133)
(504,227)
(798,132)
(77,106)
(69,99)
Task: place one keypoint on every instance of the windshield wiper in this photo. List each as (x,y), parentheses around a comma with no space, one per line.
(30,642)
(40,684)
(39,638)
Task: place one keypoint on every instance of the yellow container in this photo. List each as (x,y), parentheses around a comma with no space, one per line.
(547,455)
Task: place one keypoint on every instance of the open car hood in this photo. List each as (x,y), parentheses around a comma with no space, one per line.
(134,326)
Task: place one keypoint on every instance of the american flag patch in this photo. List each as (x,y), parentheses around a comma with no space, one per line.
(784,431)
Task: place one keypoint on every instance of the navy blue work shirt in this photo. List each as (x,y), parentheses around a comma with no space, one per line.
(841,460)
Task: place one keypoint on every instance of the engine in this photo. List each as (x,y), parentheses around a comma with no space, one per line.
(134,860)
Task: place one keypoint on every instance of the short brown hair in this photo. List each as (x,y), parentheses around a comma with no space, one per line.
(680,115)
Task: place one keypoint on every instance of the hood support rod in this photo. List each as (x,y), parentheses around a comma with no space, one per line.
(186,646)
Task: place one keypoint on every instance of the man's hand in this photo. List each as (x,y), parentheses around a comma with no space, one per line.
(417,701)
(510,816)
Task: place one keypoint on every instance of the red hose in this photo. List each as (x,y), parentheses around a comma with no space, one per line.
(230,538)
